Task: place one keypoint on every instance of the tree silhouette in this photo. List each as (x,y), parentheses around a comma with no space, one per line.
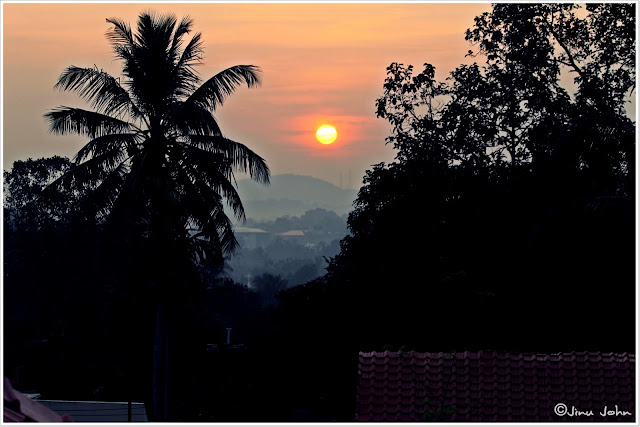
(500,155)
(23,184)
(533,44)
(507,215)
(157,163)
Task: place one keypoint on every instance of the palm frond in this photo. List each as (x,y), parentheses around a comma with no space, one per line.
(221,223)
(184,27)
(192,51)
(87,175)
(215,241)
(120,33)
(187,118)
(66,120)
(154,32)
(203,205)
(219,231)
(209,171)
(148,64)
(93,171)
(99,202)
(202,250)
(133,72)
(214,91)
(106,143)
(184,72)
(99,88)
(241,158)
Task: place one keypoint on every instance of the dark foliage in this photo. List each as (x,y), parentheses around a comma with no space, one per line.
(507,219)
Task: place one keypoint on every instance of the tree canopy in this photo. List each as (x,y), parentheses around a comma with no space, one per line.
(157,159)
(512,189)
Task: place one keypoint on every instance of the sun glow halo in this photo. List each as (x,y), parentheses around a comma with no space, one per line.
(326,134)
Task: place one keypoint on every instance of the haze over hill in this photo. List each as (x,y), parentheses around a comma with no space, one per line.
(293,195)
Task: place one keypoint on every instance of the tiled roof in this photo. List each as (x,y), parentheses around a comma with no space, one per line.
(496,386)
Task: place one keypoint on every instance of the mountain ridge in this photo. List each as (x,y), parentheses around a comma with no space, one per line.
(292,195)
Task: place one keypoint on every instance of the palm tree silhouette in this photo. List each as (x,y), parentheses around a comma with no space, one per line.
(154,140)
(157,164)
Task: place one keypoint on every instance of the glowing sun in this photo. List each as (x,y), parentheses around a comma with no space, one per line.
(326,134)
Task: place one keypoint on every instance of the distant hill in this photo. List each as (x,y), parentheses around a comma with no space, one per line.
(293,195)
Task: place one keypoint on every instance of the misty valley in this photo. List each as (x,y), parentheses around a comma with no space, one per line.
(295,250)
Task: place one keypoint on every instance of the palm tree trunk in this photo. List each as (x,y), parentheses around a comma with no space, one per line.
(166,376)
(160,351)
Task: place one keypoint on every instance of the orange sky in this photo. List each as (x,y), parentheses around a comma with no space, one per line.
(322,63)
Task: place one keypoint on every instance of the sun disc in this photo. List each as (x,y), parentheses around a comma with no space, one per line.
(326,134)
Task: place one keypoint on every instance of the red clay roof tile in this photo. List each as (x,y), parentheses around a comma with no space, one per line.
(495,386)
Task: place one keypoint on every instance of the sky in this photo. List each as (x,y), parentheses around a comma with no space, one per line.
(321,64)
